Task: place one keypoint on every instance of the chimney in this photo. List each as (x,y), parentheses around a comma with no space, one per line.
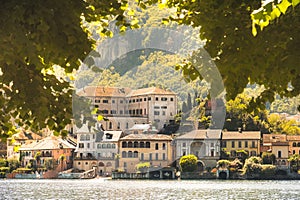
(240,130)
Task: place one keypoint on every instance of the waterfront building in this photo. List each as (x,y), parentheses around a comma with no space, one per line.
(235,141)
(18,139)
(279,146)
(204,144)
(140,148)
(124,107)
(97,149)
(51,152)
(294,144)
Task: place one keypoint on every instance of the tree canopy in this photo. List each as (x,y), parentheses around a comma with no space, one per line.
(38,35)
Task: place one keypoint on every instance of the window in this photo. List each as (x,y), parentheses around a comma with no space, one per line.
(133,101)
(99,146)
(110,125)
(79,163)
(129,144)
(149,98)
(142,145)
(156,156)
(127,125)
(99,155)
(145,111)
(279,154)
(121,101)
(147,144)
(113,101)
(97,101)
(109,146)
(150,156)
(163,113)
(224,144)
(113,146)
(253,144)
(124,144)
(294,151)
(88,137)
(135,144)
(105,101)
(184,144)
(119,125)
(81,145)
(246,144)
(156,112)
(103,146)
(232,144)
(240,144)
(156,98)
(135,154)
(298,144)
(145,99)
(164,156)
(124,154)
(163,107)
(183,152)
(113,112)
(125,164)
(130,154)
(156,107)
(142,156)
(164,146)
(171,99)
(164,99)
(156,146)
(294,144)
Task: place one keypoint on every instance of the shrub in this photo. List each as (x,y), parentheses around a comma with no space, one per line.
(142,166)
(223,163)
(268,158)
(188,163)
(268,170)
(252,166)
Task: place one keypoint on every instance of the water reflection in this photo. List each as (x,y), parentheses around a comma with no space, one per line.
(137,189)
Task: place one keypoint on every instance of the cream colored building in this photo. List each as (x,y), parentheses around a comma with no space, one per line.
(97,149)
(204,144)
(233,141)
(279,146)
(138,148)
(124,107)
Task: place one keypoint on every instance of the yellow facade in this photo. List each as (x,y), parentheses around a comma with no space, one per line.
(139,148)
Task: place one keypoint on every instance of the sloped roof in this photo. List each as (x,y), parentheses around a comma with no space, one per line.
(48,143)
(116,135)
(201,135)
(244,135)
(146,137)
(293,138)
(103,91)
(26,135)
(150,90)
(267,138)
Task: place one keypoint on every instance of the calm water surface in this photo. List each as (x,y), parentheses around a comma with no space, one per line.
(140,189)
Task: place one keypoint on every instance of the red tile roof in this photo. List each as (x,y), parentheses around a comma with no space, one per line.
(244,135)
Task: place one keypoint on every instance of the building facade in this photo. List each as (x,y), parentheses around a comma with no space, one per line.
(125,107)
(97,149)
(51,152)
(204,144)
(235,141)
(139,148)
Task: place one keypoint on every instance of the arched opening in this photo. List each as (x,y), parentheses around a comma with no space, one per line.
(222,175)
(130,154)
(135,144)
(142,145)
(135,154)
(124,144)
(200,166)
(129,144)
(101,164)
(124,154)
(147,144)
(108,164)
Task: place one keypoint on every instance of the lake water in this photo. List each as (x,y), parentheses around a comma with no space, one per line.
(148,189)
